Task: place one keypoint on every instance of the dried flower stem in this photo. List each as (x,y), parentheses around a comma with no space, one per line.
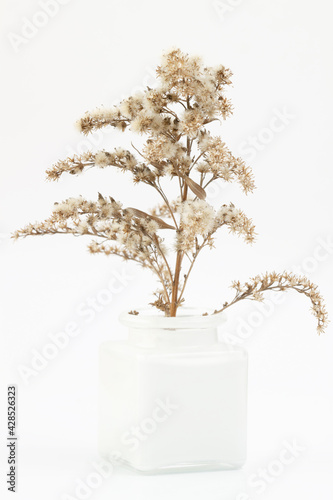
(180,254)
(254,289)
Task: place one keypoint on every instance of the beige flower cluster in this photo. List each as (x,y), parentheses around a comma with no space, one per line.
(218,161)
(255,287)
(183,81)
(125,232)
(100,118)
(199,219)
(174,116)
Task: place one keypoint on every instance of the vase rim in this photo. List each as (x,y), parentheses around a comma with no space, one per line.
(187,318)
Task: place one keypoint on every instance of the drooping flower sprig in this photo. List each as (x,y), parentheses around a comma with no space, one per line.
(174,116)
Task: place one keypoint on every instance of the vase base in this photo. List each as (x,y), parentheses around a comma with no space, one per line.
(176,468)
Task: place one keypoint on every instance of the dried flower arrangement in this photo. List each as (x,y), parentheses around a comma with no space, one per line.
(174,116)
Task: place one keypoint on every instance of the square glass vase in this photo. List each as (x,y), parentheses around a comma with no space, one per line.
(172,397)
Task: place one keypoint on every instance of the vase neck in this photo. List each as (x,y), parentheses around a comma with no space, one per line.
(160,337)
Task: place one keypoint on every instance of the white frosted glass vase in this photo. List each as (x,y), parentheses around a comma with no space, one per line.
(172,397)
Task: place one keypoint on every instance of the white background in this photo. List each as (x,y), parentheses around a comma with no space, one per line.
(93,53)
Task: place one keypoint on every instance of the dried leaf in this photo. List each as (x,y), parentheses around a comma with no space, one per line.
(195,188)
(162,224)
(143,215)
